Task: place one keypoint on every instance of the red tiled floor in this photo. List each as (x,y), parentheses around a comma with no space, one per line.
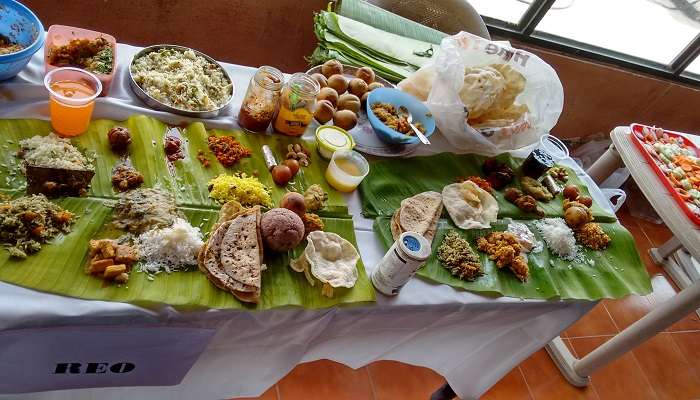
(597,322)
(395,380)
(546,382)
(628,310)
(325,380)
(510,387)
(666,368)
(621,379)
(270,394)
(663,291)
(689,345)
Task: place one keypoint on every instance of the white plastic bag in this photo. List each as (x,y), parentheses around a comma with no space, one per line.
(440,83)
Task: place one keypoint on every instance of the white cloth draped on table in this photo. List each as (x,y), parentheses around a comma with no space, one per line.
(470,339)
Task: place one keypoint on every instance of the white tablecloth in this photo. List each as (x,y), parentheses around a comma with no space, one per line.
(471,340)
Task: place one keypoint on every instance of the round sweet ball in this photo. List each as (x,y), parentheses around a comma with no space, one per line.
(281,229)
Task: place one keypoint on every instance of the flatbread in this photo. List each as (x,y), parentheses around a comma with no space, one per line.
(419,214)
(481,88)
(469,206)
(229,278)
(241,249)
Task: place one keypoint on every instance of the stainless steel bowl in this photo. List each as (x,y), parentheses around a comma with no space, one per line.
(158,105)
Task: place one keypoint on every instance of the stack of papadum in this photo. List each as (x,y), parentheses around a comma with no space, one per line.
(232,258)
(419,214)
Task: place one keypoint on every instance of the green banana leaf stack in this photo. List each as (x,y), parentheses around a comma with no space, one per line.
(391,55)
(60,265)
(611,273)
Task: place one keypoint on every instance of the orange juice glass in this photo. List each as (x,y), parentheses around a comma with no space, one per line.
(72,93)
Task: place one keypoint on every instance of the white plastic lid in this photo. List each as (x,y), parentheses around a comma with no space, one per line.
(415,246)
(73,74)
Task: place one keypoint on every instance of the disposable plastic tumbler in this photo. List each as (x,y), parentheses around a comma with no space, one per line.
(72,93)
(346,170)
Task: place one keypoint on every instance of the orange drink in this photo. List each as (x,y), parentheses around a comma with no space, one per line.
(346,170)
(72,94)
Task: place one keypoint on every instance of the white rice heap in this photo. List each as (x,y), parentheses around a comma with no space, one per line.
(559,238)
(169,249)
(51,151)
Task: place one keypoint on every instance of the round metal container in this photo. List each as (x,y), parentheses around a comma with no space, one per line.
(156,104)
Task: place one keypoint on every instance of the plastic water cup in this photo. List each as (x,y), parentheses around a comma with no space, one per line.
(554,147)
(70,116)
(339,174)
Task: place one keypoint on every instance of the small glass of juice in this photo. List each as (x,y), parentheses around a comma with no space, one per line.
(72,93)
(346,170)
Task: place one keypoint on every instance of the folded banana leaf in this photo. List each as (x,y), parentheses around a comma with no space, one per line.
(386,184)
(389,54)
(370,14)
(59,266)
(612,273)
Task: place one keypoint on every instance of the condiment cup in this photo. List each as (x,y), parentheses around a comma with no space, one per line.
(339,178)
(71,116)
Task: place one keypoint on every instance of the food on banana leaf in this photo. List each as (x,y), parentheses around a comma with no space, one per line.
(571,192)
(27,222)
(419,214)
(119,139)
(298,153)
(524,202)
(125,177)
(526,238)
(202,158)
(281,229)
(552,185)
(227,149)
(585,200)
(142,209)
(576,214)
(469,206)
(481,182)
(560,174)
(457,256)
(232,258)
(294,202)
(169,249)
(497,174)
(592,236)
(329,258)
(247,190)
(315,198)
(173,148)
(54,167)
(110,260)
(559,238)
(534,188)
(505,250)
(312,222)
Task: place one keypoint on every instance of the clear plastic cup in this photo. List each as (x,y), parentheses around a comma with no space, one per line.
(553,146)
(346,170)
(72,93)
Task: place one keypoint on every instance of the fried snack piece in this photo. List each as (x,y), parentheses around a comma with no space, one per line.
(534,188)
(457,256)
(592,236)
(505,250)
(524,202)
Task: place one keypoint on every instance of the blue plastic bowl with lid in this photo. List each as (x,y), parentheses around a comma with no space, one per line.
(21,26)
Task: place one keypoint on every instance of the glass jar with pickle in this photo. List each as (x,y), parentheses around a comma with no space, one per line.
(261,99)
(297,105)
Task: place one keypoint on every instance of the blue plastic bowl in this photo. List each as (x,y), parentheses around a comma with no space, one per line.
(398,98)
(21,26)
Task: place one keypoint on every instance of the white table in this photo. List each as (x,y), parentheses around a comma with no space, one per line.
(471,340)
